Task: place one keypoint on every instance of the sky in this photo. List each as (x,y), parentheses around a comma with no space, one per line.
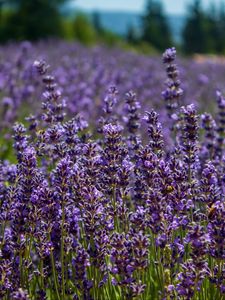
(171,6)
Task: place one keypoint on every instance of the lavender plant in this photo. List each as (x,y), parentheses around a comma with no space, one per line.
(109,209)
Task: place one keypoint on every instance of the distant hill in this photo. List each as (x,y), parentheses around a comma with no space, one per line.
(118,22)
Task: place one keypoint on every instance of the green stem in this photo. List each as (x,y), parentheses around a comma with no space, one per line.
(54,273)
(62,250)
(21,269)
(42,273)
(114,207)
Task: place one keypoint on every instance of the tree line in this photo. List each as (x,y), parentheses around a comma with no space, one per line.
(39,19)
(203,32)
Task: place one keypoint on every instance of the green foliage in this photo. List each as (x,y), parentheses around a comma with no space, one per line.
(83,30)
(67,29)
(204,31)
(110,38)
(4,20)
(219,25)
(131,36)
(32,20)
(196,37)
(90,32)
(155,26)
(19,3)
(96,21)
(146,48)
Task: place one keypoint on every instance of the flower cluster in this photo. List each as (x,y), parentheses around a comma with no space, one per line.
(112,210)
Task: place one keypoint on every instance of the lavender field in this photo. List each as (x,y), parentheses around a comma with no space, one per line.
(112,174)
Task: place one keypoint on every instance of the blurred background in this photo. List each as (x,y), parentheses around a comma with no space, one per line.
(148,26)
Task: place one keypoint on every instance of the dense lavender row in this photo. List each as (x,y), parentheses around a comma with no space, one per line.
(119,207)
(85,74)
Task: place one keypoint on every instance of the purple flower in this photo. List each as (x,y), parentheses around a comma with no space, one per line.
(169,55)
(173,92)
